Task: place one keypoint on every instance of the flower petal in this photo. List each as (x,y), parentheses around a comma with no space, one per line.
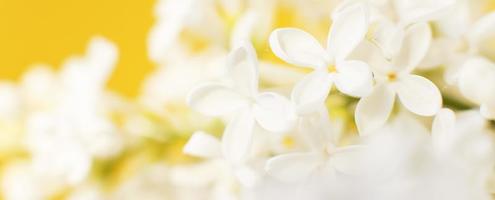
(215,99)
(347,160)
(354,78)
(482,35)
(415,45)
(477,80)
(298,48)
(203,145)
(373,111)
(310,92)
(242,68)
(373,55)
(422,11)
(246,175)
(442,131)
(274,112)
(293,167)
(102,57)
(348,30)
(237,137)
(316,130)
(419,95)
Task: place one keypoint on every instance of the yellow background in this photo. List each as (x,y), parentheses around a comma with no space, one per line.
(48,31)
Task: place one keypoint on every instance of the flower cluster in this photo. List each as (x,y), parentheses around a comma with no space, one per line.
(374,52)
(267,99)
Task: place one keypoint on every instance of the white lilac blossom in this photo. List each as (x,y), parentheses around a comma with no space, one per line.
(375,64)
(270,126)
(453,50)
(477,82)
(241,98)
(331,65)
(393,78)
(64,139)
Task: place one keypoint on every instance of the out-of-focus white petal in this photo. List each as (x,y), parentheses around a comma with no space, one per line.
(274,112)
(458,20)
(422,10)
(10,101)
(488,110)
(242,68)
(482,35)
(419,95)
(245,28)
(215,99)
(347,160)
(237,137)
(311,91)
(354,78)
(440,53)
(443,130)
(203,145)
(102,56)
(316,129)
(414,47)
(348,30)
(298,48)
(373,111)
(477,80)
(171,16)
(247,176)
(294,167)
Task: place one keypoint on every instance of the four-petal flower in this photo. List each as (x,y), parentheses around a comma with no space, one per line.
(331,65)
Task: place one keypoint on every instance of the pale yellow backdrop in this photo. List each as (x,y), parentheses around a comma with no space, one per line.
(47,31)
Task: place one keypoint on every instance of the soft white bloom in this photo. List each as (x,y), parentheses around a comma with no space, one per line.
(324,157)
(64,138)
(36,83)
(19,182)
(11,105)
(477,82)
(454,51)
(465,137)
(241,98)
(167,85)
(198,16)
(389,20)
(215,171)
(393,77)
(331,65)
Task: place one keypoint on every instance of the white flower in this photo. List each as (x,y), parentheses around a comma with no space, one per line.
(476,82)
(11,104)
(64,139)
(205,146)
(454,51)
(416,93)
(19,182)
(301,49)
(201,17)
(167,85)
(466,138)
(442,131)
(242,99)
(324,158)
(389,20)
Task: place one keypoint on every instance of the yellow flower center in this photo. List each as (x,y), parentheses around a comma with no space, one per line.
(392,76)
(288,142)
(332,69)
